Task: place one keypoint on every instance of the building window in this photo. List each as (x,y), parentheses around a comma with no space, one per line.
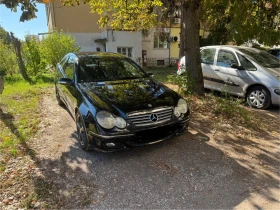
(160,40)
(160,62)
(125,51)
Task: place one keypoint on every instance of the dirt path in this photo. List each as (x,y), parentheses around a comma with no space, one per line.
(213,165)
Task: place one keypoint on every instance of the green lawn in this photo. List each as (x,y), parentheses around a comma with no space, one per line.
(19,117)
(161,73)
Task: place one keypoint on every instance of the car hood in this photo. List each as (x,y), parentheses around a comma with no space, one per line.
(129,95)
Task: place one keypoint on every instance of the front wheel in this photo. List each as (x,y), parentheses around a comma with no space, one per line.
(82,132)
(259,97)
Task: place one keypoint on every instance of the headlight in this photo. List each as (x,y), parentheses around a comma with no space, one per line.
(105,119)
(120,122)
(108,121)
(181,108)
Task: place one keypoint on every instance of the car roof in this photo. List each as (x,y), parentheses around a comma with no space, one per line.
(99,54)
(232,47)
(228,46)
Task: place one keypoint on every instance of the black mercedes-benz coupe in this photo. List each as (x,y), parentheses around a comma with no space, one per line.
(116,104)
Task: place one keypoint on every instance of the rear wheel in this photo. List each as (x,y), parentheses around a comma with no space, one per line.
(259,97)
(58,99)
(82,132)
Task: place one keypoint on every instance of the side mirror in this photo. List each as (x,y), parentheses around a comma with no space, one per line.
(151,74)
(235,66)
(65,81)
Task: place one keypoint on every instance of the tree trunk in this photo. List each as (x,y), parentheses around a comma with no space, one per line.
(17,47)
(191,50)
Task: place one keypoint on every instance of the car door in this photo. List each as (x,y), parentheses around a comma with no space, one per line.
(226,78)
(69,91)
(207,64)
(61,74)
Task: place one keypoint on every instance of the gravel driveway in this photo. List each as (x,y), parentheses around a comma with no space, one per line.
(202,169)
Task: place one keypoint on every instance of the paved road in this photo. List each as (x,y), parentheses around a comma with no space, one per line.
(203,169)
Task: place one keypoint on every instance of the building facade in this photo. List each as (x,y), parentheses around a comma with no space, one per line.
(161,46)
(155,47)
(79,22)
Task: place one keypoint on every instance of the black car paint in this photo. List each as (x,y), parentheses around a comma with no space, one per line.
(119,98)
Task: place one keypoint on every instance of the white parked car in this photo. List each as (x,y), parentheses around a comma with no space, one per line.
(242,71)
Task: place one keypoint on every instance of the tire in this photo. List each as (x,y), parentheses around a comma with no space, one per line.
(59,101)
(82,132)
(258,97)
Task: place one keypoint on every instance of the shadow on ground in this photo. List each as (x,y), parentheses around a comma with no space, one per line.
(8,119)
(198,170)
(185,172)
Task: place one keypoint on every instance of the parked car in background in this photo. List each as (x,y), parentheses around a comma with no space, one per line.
(275,52)
(117,105)
(241,71)
(1,84)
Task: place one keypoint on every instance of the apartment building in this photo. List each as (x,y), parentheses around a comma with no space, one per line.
(155,47)
(79,22)
(161,46)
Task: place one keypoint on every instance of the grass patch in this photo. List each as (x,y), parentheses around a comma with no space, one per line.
(39,79)
(19,118)
(161,73)
(226,109)
(223,106)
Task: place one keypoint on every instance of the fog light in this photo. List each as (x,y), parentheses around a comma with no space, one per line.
(277,91)
(110,144)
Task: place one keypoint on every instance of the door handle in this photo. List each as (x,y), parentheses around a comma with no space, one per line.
(216,70)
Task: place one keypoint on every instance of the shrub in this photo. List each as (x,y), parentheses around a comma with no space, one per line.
(31,56)
(54,46)
(8,61)
(184,82)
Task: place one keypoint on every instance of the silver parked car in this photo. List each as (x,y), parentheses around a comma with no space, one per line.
(242,71)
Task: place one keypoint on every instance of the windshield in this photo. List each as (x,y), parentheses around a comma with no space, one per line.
(98,69)
(262,58)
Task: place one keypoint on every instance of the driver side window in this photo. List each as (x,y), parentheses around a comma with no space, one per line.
(69,68)
(226,58)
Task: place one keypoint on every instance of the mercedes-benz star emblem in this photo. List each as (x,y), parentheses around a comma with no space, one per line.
(153,117)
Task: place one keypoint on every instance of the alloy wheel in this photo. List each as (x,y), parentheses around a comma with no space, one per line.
(81,131)
(257,98)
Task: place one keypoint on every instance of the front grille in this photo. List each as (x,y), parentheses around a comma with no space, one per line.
(144,118)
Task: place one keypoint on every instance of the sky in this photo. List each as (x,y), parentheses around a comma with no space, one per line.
(10,22)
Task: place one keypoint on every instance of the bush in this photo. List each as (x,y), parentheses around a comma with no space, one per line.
(31,56)
(54,46)
(184,82)
(8,60)
(229,106)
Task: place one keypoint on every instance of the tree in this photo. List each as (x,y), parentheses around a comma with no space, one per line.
(190,46)
(56,45)
(31,55)
(8,62)
(240,20)
(17,47)
(5,36)
(28,7)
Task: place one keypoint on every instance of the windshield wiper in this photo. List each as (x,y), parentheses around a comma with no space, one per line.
(129,78)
